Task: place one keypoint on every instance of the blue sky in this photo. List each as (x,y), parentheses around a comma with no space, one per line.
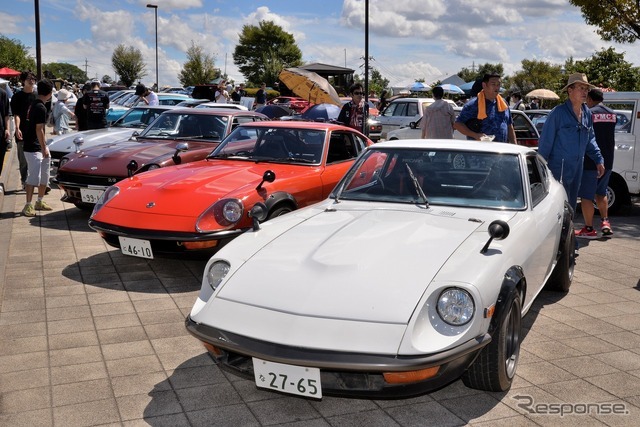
(408,39)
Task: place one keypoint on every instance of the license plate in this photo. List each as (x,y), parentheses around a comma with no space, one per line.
(135,247)
(89,195)
(287,378)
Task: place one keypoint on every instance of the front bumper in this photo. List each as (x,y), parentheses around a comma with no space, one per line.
(164,242)
(348,374)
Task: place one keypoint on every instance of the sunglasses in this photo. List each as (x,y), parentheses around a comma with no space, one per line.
(357,93)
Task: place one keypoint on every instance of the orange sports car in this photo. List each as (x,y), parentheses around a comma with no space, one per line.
(199,206)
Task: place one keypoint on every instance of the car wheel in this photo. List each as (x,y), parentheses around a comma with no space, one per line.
(495,367)
(279,211)
(617,195)
(562,275)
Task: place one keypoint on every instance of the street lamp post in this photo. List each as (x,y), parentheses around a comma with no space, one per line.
(155,9)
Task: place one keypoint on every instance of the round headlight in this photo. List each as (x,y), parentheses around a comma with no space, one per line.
(153,166)
(63,161)
(232,211)
(455,306)
(217,272)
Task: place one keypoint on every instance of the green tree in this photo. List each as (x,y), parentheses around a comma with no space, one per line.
(14,54)
(62,70)
(608,68)
(107,79)
(535,75)
(377,83)
(469,75)
(617,20)
(199,67)
(264,50)
(128,64)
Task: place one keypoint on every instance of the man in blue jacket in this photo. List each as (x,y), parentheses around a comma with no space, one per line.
(568,135)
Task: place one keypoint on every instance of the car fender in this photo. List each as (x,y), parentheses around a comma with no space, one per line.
(279,197)
(513,283)
(567,216)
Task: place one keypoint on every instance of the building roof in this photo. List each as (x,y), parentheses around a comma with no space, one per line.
(454,80)
(333,70)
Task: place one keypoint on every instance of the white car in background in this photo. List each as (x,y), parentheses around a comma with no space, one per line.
(402,111)
(526,132)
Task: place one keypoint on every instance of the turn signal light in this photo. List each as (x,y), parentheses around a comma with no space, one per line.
(211,349)
(200,245)
(410,376)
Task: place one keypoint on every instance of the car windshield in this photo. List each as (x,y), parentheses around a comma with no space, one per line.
(137,118)
(187,126)
(444,177)
(281,145)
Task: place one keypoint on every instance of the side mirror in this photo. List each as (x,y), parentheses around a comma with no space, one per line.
(412,125)
(134,135)
(180,148)
(268,176)
(259,214)
(78,141)
(132,167)
(499,230)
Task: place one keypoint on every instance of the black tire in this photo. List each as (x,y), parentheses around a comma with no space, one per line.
(562,275)
(279,211)
(495,367)
(617,195)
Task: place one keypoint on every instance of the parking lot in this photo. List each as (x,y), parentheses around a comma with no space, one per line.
(90,337)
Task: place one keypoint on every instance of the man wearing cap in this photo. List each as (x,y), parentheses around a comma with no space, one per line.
(147,96)
(604,127)
(96,103)
(62,113)
(487,114)
(80,111)
(568,135)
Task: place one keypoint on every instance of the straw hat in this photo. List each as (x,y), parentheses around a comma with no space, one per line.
(578,78)
(63,95)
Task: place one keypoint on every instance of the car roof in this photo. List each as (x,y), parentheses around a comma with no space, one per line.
(288,124)
(155,107)
(455,144)
(214,111)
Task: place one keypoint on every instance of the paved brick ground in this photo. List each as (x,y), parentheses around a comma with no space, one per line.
(89,337)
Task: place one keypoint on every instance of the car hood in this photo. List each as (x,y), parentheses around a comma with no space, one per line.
(121,152)
(189,189)
(320,266)
(64,143)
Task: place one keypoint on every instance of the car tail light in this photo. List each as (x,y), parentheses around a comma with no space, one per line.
(528,142)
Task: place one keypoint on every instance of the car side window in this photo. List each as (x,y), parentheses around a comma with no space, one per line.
(523,127)
(341,147)
(412,109)
(388,112)
(624,115)
(401,109)
(538,180)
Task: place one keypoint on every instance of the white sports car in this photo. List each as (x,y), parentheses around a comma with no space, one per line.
(415,272)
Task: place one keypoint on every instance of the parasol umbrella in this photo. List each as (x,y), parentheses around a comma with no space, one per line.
(274,111)
(452,89)
(467,87)
(419,87)
(321,112)
(8,72)
(309,86)
(542,94)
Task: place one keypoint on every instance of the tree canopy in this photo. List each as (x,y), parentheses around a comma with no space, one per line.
(617,20)
(264,50)
(62,70)
(199,67)
(128,64)
(15,55)
(607,68)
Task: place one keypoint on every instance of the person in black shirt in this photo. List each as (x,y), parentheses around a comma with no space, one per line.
(36,151)
(592,187)
(80,111)
(5,130)
(20,102)
(96,103)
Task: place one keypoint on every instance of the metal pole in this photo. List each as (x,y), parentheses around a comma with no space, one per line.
(38,49)
(366,66)
(155,8)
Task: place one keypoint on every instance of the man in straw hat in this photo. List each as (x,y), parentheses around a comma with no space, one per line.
(568,135)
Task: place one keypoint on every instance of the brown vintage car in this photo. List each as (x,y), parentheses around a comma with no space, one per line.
(176,136)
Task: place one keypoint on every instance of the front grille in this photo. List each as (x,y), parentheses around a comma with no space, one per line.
(81,179)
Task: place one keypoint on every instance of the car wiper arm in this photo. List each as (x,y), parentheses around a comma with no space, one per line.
(417,185)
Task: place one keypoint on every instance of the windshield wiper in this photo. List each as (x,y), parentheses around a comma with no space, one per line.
(417,185)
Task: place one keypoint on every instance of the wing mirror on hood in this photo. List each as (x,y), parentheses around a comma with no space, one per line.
(132,167)
(258,213)
(499,230)
(180,148)
(268,176)
(78,141)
